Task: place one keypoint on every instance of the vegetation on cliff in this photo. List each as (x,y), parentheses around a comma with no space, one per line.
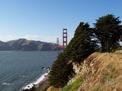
(80,47)
(99,72)
(104,37)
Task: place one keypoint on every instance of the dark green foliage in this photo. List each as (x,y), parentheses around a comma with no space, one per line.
(108,31)
(60,71)
(78,49)
(81,45)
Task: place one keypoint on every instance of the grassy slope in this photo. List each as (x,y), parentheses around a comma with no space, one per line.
(73,86)
(100,72)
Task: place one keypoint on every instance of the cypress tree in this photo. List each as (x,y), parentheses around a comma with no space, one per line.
(82,44)
(108,31)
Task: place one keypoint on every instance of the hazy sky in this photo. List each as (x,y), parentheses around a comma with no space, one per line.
(45,19)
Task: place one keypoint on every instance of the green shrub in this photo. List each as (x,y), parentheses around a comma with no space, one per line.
(74,86)
(60,72)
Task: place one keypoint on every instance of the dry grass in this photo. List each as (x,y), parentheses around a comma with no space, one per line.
(51,88)
(99,72)
(103,72)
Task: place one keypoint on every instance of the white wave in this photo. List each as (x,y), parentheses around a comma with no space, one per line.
(27,87)
(6,84)
(36,83)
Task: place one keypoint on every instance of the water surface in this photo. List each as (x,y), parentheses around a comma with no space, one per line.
(20,68)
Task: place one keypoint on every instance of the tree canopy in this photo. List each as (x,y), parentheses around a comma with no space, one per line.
(108,30)
(107,33)
(82,44)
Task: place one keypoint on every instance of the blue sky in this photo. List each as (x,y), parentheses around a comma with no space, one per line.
(45,19)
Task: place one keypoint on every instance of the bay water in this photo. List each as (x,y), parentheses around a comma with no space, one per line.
(18,68)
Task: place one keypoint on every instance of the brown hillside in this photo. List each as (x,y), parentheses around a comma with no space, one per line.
(102,72)
(99,72)
(51,88)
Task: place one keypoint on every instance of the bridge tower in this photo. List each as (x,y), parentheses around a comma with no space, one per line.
(65,37)
(58,41)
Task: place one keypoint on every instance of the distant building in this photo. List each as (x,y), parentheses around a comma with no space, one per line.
(57,41)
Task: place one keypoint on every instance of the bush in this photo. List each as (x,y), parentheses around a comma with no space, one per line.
(60,72)
(74,86)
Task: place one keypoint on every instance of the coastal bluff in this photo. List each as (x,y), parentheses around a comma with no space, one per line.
(99,72)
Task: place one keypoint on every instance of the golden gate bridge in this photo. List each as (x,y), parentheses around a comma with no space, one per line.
(64,39)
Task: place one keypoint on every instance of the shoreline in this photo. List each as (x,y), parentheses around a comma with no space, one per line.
(36,84)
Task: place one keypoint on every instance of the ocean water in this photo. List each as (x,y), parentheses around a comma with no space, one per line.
(18,69)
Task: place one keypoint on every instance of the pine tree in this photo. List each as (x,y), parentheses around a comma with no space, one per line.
(60,72)
(108,31)
(82,44)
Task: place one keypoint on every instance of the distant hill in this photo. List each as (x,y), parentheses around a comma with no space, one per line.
(28,45)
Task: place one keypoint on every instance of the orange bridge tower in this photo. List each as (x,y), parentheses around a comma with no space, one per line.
(65,38)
